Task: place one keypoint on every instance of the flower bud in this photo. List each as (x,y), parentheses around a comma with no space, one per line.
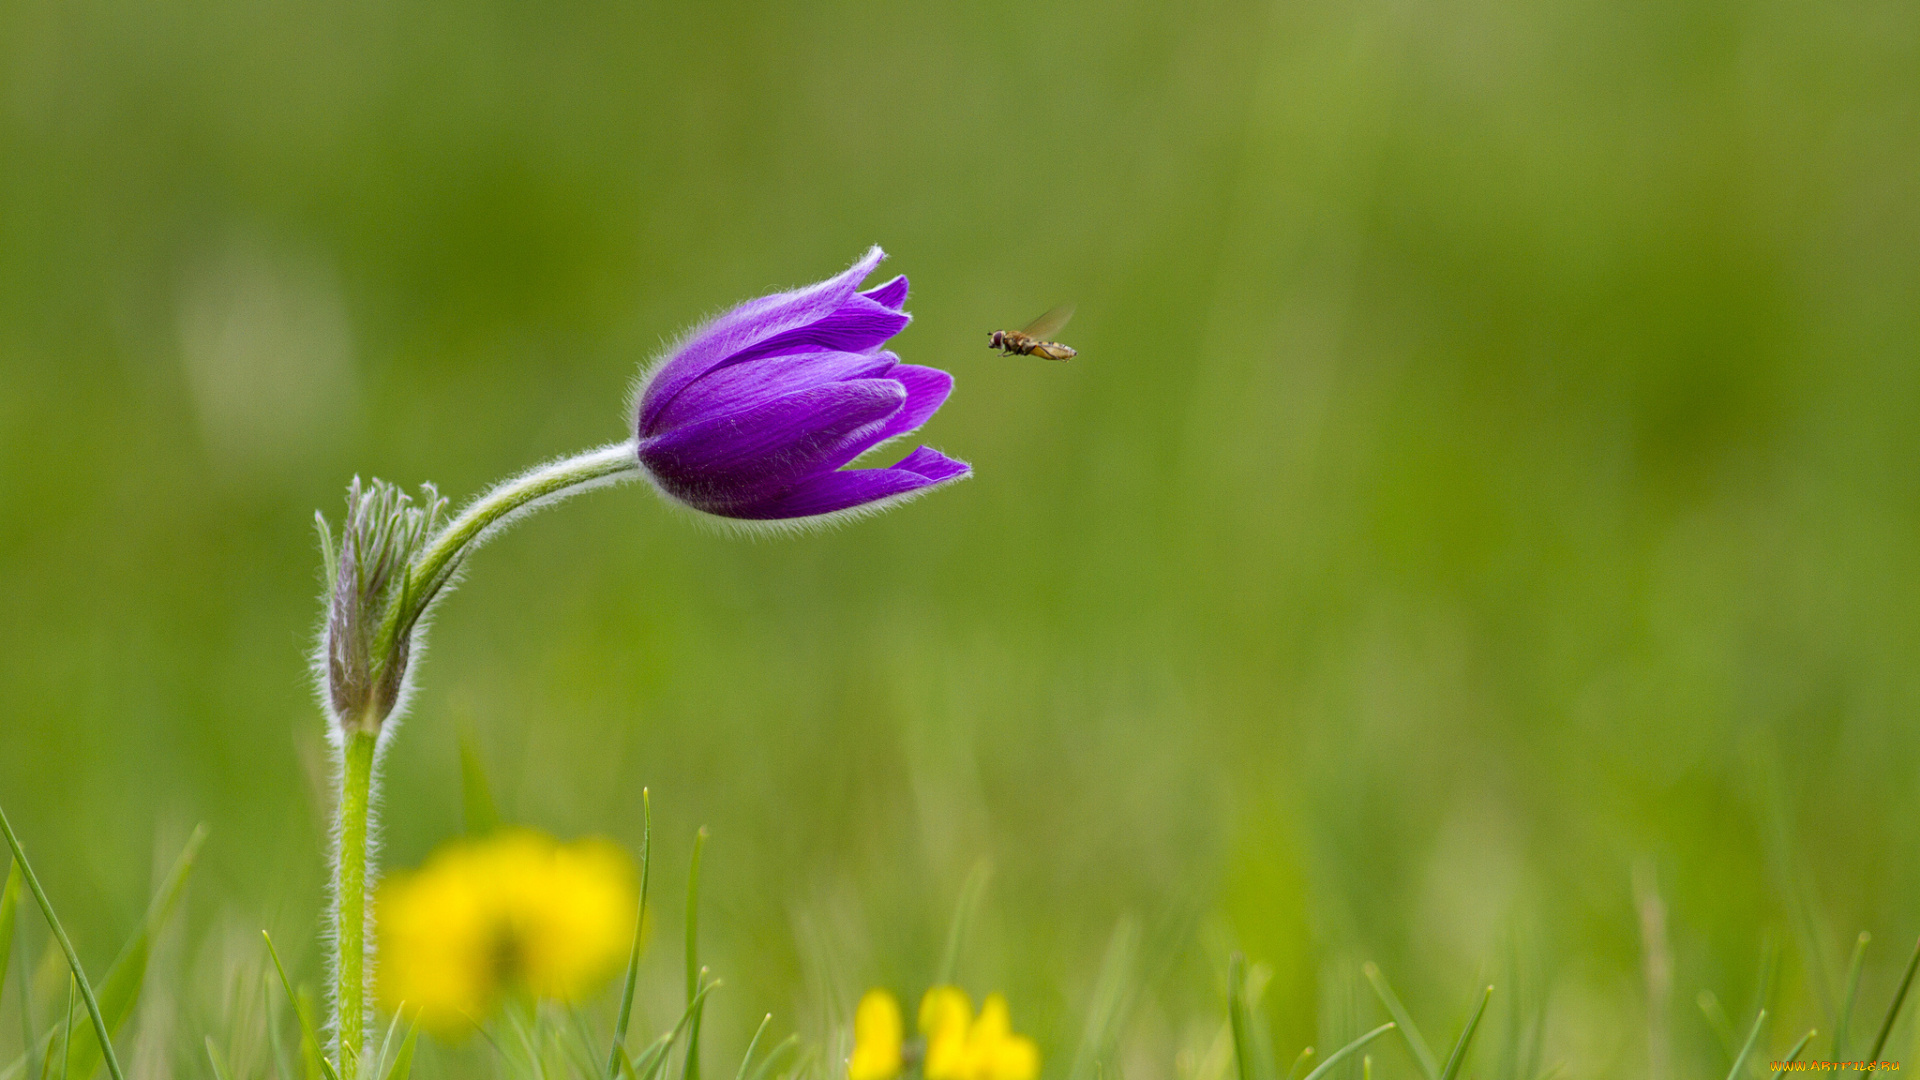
(362,663)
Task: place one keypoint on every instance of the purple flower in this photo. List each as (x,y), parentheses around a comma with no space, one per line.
(753,415)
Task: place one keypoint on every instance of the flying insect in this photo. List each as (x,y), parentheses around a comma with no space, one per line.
(1031,341)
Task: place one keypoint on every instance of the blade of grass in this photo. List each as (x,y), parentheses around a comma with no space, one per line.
(66,946)
(386,1043)
(213,1058)
(1794,1054)
(1458,1059)
(1893,1008)
(1250,1060)
(313,1056)
(403,1061)
(1846,1000)
(970,893)
(1112,999)
(1421,1052)
(747,1058)
(1769,972)
(1718,1020)
(528,1044)
(308,1038)
(639,931)
(281,1069)
(1294,1069)
(9,905)
(690,1065)
(1349,1050)
(66,1038)
(31,1057)
(1753,1036)
(647,1057)
(120,989)
(1237,1016)
(665,1043)
(580,1048)
(780,1049)
(492,1044)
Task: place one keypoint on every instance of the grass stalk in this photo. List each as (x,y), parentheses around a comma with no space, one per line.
(1746,1048)
(1793,1055)
(1458,1059)
(690,1068)
(213,1059)
(9,905)
(1349,1050)
(309,1039)
(1850,991)
(73,958)
(1421,1052)
(780,1049)
(1239,1019)
(66,1037)
(752,1044)
(618,1051)
(970,892)
(1893,1008)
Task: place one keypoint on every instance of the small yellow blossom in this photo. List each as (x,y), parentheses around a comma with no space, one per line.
(877,1037)
(945,1014)
(963,1047)
(994,1051)
(515,912)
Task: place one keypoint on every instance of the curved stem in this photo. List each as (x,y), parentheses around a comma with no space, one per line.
(542,484)
(350,900)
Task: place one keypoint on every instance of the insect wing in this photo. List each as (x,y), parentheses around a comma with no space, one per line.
(1049,324)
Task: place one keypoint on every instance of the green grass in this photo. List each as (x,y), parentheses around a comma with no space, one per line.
(546,1040)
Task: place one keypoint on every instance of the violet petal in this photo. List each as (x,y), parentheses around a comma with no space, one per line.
(751,324)
(725,462)
(833,492)
(927,390)
(893,294)
(739,387)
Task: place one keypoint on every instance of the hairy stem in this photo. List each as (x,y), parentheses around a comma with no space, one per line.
(441,556)
(350,900)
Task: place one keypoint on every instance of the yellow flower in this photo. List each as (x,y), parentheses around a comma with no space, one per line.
(513,912)
(945,1013)
(962,1047)
(877,1035)
(994,1051)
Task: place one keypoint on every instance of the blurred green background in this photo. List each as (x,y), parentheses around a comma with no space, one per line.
(1492,465)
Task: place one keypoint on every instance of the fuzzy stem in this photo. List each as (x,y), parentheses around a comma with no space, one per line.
(547,483)
(350,900)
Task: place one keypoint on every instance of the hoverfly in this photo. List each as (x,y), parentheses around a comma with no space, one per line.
(1029,341)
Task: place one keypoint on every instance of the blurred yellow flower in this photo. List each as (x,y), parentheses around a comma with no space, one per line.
(515,912)
(959,1045)
(945,1015)
(994,1052)
(877,1035)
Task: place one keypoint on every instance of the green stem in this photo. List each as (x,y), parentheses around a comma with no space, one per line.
(436,563)
(350,900)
